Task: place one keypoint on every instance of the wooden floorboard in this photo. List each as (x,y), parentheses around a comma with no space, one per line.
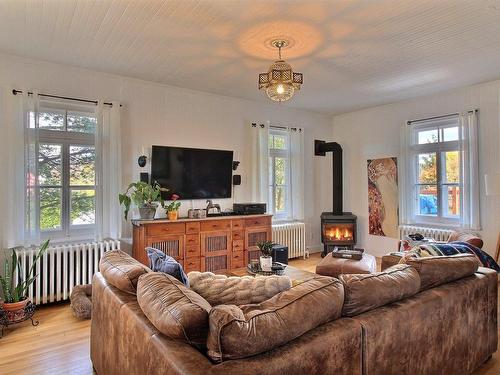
(60,344)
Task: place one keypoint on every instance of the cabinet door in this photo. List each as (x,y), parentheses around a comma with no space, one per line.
(215,251)
(172,245)
(255,235)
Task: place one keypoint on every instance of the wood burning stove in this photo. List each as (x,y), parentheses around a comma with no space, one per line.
(338,228)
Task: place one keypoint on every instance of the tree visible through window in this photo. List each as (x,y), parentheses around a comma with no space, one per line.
(66,182)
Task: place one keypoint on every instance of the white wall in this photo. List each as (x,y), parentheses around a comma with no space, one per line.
(375,133)
(164,115)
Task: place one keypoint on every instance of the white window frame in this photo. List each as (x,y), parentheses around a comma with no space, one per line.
(66,139)
(285,154)
(438,148)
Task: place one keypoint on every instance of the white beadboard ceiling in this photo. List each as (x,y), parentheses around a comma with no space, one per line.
(354,54)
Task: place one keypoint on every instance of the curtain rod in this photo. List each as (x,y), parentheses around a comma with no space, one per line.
(439,117)
(254,124)
(15,92)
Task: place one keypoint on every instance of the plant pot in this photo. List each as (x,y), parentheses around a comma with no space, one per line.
(266,262)
(15,306)
(147,212)
(172,215)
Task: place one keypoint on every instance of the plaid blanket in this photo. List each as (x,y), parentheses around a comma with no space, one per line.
(453,248)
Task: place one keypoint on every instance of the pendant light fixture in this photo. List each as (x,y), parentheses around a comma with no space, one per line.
(280,82)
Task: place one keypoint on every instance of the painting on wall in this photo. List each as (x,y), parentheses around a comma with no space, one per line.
(383,201)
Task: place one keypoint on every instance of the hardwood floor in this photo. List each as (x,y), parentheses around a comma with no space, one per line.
(60,343)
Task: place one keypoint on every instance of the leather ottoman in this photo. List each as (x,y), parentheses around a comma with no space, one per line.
(330,266)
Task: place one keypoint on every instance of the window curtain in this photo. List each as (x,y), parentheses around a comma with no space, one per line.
(260,163)
(108,167)
(406,182)
(470,170)
(296,173)
(19,142)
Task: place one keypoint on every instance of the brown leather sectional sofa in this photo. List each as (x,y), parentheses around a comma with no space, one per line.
(409,327)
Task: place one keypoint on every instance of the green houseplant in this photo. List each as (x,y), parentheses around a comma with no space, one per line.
(15,289)
(266,260)
(173,207)
(143,195)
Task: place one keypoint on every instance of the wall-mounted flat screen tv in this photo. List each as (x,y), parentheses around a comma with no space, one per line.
(192,173)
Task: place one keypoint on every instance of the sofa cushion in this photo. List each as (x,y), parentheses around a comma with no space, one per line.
(240,332)
(176,311)
(367,292)
(470,238)
(438,270)
(121,270)
(220,289)
(161,262)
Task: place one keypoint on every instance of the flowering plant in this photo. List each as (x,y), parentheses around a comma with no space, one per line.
(174,205)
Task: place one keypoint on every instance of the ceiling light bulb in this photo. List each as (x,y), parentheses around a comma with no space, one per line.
(280,89)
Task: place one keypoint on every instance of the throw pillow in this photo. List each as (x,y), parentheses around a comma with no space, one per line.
(161,262)
(220,289)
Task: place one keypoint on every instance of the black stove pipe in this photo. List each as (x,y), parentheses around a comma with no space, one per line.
(320,149)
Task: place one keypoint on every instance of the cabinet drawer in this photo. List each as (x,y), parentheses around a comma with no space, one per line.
(214,225)
(238,235)
(192,227)
(192,264)
(171,228)
(238,224)
(238,245)
(192,251)
(258,221)
(238,260)
(192,239)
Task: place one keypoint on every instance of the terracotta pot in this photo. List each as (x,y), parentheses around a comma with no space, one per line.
(15,306)
(172,215)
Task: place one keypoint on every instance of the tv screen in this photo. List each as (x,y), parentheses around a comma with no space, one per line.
(192,173)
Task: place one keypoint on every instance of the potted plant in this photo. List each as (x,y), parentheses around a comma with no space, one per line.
(143,195)
(173,208)
(266,260)
(15,290)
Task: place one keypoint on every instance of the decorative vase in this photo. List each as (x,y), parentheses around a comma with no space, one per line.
(172,215)
(147,212)
(266,262)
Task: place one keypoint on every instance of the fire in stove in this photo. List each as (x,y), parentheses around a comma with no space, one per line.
(339,233)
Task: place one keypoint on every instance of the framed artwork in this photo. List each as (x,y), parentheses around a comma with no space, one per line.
(383,197)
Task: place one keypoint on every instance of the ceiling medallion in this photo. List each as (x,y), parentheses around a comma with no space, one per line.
(280,82)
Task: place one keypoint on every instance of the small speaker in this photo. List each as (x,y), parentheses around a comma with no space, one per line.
(144,177)
(280,254)
(237,179)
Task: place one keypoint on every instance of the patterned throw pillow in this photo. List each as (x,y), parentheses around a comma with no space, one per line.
(161,262)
